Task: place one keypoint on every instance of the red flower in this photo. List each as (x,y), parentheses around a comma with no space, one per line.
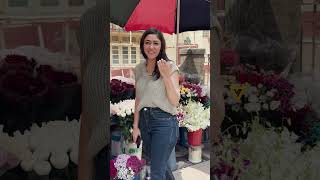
(229,57)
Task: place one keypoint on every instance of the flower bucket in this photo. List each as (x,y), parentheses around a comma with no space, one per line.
(195,137)
(195,154)
(130,148)
(115,143)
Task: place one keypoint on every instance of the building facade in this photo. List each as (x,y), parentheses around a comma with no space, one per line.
(125,51)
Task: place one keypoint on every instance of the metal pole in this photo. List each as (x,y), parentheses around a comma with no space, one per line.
(314,37)
(177,33)
(67,38)
(40,36)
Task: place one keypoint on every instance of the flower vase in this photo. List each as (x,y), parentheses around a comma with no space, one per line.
(195,137)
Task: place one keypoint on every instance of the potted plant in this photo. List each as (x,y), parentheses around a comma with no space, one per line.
(195,118)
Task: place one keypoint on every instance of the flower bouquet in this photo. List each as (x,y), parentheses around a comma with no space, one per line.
(195,116)
(121,91)
(123,113)
(194,92)
(251,91)
(227,161)
(125,167)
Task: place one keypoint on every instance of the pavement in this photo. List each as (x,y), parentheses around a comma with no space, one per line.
(189,171)
(197,171)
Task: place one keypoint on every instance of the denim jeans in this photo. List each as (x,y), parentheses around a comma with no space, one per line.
(159,133)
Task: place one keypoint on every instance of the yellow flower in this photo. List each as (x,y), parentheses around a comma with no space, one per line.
(183,90)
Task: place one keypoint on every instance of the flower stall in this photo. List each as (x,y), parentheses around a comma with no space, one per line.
(271,127)
(122,112)
(194,115)
(250,92)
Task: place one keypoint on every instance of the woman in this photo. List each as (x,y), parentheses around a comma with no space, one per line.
(157,96)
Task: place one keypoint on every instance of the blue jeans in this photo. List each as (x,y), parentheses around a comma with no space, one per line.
(159,133)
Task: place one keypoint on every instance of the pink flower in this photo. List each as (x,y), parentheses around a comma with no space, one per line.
(8,160)
(113,170)
(135,164)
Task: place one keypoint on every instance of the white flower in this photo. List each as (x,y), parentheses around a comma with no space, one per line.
(197,117)
(274,105)
(253,98)
(121,161)
(122,173)
(27,165)
(252,107)
(263,98)
(230,101)
(252,90)
(74,155)
(205,90)
(41,154)
(59,160)
(265,106)
(260,85)
(123,114)
(124,79)
(124,108)
(42,168)
(299,100)
(235,107)
(270,93)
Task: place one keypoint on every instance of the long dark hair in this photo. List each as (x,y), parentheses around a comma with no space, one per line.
(162,53)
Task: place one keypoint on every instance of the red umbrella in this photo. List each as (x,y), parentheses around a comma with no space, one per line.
(153,13)
(169,16)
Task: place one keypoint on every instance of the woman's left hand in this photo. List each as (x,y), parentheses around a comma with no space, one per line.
(164,68)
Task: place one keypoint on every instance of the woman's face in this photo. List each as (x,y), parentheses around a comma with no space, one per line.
(152,46)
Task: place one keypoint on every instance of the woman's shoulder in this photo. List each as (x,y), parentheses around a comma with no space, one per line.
(138,69)
(140,65)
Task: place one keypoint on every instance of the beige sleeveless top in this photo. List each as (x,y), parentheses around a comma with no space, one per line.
(152,93)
